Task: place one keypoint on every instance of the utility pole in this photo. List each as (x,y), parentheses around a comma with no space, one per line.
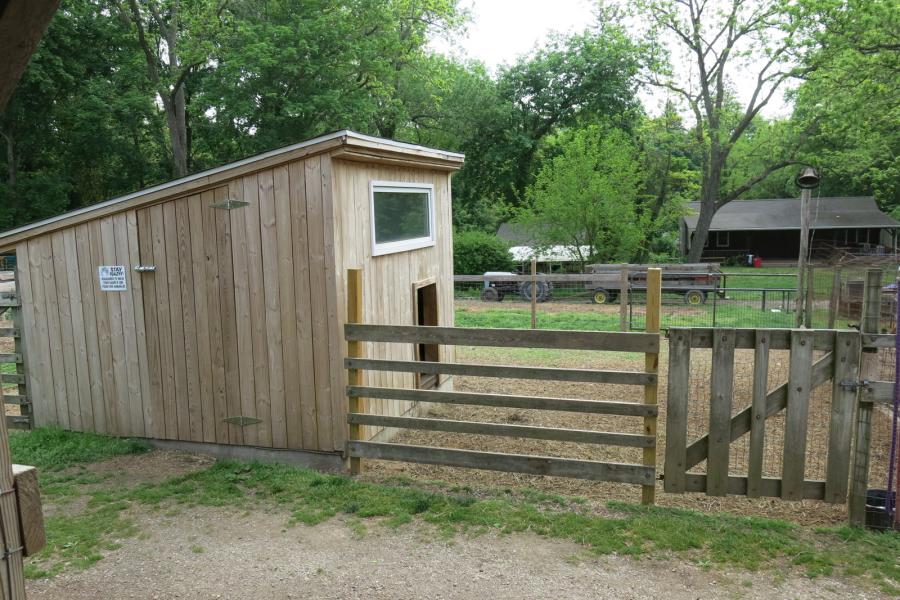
(806,181)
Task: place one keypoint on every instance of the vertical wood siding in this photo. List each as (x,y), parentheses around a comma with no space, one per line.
(387,280)
(243,315)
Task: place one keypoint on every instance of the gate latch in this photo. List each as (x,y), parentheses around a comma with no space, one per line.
(849,384)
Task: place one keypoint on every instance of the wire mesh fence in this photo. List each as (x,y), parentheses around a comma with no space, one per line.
(612,302)
(747,297)
(817,425)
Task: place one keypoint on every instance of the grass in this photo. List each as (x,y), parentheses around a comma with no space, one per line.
(53,449)
(79,538)
(738,309)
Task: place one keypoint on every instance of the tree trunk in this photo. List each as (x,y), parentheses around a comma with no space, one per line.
(177,133)
(11,170)
(709,204)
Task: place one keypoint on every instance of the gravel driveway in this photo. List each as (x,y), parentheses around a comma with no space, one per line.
(205,553)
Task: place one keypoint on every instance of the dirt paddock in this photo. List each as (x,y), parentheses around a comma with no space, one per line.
(806,512)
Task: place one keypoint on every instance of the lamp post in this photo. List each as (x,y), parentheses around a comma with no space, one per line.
(806,180)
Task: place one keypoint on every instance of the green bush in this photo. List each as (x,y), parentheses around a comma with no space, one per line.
(475,252)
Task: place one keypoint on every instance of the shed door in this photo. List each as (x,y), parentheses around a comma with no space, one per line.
(188,287)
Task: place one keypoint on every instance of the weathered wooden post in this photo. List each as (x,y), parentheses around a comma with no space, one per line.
(651,365)
(533,293)
(835,299)
(354,350)
(859,483)
(810,297)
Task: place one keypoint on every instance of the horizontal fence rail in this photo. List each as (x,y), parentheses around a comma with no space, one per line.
(522,431)
(504,371)
(516,463)
(505,338)
(598,407)
(382,370)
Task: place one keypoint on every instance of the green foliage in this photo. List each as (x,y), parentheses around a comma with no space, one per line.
(584,197)
(476,252)
(849,104)
(52,449)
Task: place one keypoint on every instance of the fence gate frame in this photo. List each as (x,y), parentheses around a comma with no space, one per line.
(854,396)
(24,420)
(841,363)
(647,343)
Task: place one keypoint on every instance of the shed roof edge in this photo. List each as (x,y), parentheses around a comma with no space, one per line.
(344,137)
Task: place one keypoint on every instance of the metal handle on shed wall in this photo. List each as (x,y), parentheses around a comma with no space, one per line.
(145,268)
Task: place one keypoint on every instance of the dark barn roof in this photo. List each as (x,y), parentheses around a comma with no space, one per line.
(784,213)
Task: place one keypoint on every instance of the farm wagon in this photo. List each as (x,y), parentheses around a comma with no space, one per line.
(208,311)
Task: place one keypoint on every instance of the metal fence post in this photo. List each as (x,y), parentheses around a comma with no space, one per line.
(859,483)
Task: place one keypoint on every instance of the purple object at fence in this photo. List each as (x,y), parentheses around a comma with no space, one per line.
(890,503)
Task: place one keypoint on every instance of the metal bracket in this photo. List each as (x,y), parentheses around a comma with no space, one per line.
(242,421)
(230,204)
(145,268)
(849,384)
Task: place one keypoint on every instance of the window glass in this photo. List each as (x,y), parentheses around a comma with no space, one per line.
(401,215)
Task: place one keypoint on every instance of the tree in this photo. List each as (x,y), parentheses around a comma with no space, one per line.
(177,40)
(670,166)
(584,197)
(571,79)
(81,126)
(759,41)
(849,104)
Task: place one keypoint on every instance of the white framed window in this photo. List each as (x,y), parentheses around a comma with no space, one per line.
(402,216)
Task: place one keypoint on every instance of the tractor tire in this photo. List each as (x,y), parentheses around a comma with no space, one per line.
(491,294)
(695,297)
(602,296)
(542,291)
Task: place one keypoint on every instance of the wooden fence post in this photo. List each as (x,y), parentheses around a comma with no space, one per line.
(835,300)
(859,483)
(533,292)
(354,350)
(623,299)
(810,297)
(651,365)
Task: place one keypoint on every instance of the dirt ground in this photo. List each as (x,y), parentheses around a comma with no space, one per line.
(203,553)
(806,512)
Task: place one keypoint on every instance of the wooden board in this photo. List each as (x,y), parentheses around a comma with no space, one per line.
(505,371)
(796,420)
(515,463)
(31,514)
(721,392)
(677,402)
(520,431)
(758,414)
(506,338)
(779,339)
(533,402)
(843,409)
(768,487)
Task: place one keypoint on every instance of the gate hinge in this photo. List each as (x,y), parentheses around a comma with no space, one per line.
(849,384)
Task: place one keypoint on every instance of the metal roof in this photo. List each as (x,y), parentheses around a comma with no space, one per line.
(784,214)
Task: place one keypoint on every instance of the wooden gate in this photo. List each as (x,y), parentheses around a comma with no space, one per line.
(816,358)
(647,343)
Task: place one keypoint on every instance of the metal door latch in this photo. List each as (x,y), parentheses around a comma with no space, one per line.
(145,268)
(849,384)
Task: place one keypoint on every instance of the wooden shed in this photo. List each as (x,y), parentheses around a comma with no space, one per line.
(210,309)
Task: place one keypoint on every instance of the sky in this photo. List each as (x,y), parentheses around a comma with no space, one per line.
(502,30)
